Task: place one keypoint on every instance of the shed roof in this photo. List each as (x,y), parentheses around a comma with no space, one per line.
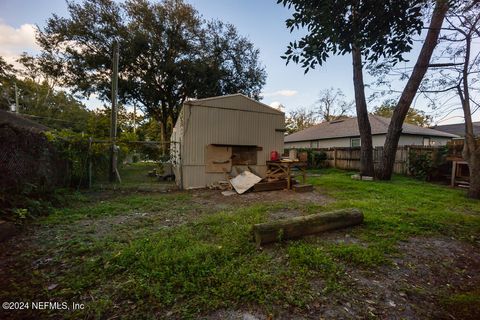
(458,128)
(237,101)
(349,128)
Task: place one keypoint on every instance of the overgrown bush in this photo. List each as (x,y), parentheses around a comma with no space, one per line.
(420,164)
(77,150)
(315,158)
(428,164)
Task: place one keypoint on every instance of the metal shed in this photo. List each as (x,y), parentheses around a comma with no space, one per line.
(224,134)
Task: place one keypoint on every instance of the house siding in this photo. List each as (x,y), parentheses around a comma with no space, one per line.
(377,141)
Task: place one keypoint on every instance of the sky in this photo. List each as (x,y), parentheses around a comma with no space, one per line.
(261,21)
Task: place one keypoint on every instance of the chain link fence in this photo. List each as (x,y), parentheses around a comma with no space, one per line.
(142,165)
(35,163)
(30,167)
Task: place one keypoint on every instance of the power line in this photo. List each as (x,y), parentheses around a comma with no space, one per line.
(48,118)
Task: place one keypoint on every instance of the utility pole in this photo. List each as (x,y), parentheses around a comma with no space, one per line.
(16,98)
(114,175)
(134,117)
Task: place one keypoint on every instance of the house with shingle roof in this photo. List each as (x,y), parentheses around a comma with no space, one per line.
(345,133)
(458,128)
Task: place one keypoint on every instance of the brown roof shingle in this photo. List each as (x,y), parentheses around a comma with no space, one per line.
(349,128)
(458,128)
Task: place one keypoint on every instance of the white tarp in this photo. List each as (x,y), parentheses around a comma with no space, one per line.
(244,181)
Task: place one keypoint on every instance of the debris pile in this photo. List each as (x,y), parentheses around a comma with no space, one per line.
(247,180)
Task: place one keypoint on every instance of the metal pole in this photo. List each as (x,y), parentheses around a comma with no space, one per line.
(113,130)
(16,98)
(90,162)
(134,117)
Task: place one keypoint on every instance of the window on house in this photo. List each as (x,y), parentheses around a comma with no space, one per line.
(427,142)
(314,144)
(354,142)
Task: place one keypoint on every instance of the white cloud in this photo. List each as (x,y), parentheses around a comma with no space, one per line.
(283,93)
(277,105)
(14,41)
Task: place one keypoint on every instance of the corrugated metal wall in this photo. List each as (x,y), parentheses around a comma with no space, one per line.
(177,145)
(230,120)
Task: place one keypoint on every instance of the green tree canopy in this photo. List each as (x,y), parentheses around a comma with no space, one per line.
(381,29)
(7,83)
(168,53)
(414,116)
(38,99)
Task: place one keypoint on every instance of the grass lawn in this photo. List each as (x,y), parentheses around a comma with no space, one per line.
(191,255)
(134,178)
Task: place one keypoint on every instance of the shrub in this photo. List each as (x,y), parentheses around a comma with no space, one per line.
(420,164)
(315,158)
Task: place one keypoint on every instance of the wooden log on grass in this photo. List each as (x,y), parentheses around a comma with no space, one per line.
(298,227)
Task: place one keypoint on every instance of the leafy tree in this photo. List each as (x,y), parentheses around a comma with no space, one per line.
(98,124)
(410,90)
(414,116)
(168,53)
(455,70)
(332,106)
(6,69)
(7,84)
(38,99)
(150,130)
(366,29)
(227,60)
(300,119)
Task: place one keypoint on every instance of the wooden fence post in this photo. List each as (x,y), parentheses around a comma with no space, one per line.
(407,162)
(335,157)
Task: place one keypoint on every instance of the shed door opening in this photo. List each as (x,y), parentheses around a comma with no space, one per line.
(244,155)
(221,158)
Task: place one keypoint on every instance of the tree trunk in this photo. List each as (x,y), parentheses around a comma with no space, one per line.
(163,136)
(410,90)
(471,147)
(474,167)
(298,227)
(366,148)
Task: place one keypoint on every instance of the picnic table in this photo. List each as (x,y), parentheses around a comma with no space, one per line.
(287,169)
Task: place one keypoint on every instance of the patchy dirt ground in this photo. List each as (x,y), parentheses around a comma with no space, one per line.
(215,198)
(202,202)
(410,287)
(423,274)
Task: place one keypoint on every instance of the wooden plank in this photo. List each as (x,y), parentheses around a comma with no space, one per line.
(218,159)
(302,188)
(298,227)
(454,173)
(270,186)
